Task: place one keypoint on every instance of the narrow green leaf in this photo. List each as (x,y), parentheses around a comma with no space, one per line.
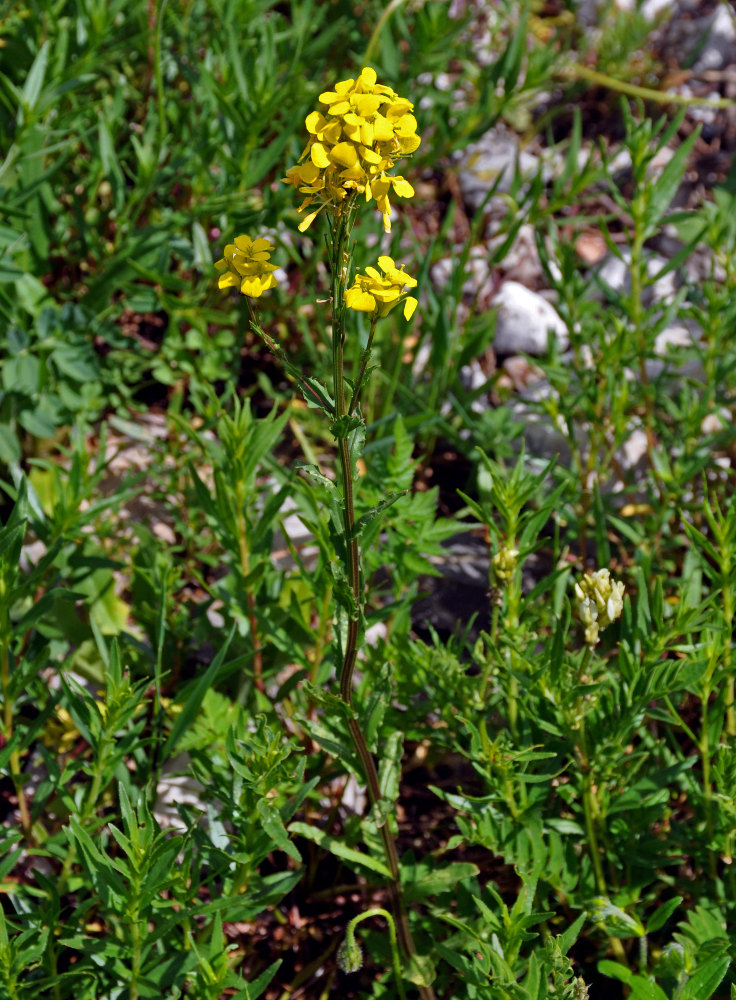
(706,980)
(34,81)
(662,914)
(340,850)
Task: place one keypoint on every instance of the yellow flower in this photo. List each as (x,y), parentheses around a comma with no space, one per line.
(246,266)
(364,128)
(378,293)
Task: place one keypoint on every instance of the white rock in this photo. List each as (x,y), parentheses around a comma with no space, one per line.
(177,785)
(589,11)
(719,49)
(492,161)
(714,423)
(523,319)
(615,272)
(677,334)
(633,451)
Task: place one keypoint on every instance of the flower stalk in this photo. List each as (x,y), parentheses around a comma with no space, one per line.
(353,143)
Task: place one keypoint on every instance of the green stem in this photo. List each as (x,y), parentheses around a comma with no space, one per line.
(378,911)
(645,93)
(135,967)
(160,78)
(590,804)
(513,596)
(364,359)
(339,245)
(705,763)
(374,39)
(25,813)
(250,600)
(728,612)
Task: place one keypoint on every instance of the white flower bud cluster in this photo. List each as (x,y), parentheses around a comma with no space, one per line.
(600,602)
(504,563)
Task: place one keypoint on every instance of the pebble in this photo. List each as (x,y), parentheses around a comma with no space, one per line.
(523,320)
(615,275)
(719,49)
(491,161)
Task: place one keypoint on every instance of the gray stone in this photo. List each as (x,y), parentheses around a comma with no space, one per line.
(719,49)
(492,161)
(615,275)
(523,321)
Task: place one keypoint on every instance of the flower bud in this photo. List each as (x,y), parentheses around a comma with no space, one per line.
(349,954)
(504,563)
(600,602)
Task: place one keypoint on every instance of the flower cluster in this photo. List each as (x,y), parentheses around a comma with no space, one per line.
(378,293)
(246,266)
(600,602)
(504,564)
(365,127)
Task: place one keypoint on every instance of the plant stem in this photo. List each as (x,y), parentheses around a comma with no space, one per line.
(591,811)
(728,614)
(250,600)
(645,93)
(705,751)
(378,911)
(364,359)
(339,254)
(25,814)
(513,597)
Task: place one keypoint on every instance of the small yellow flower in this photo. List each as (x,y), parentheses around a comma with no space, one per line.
(600,602)
(246,266)
(378,293)
(364,128)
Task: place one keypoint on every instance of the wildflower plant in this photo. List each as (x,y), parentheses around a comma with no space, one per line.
(188,699)
(354,141)
(364,128)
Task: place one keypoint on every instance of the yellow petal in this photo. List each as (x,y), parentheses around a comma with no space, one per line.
(262,244)
(315,122)
(409,306)
(355,298)
(386,263)
(402,187)
(221,264)
(383,130)
(406,126)
(227,280)
(380,186)
(386,295)
(370,155)
(319,155)
(331,132)
(366,105)
(307,221)
(255,285)
(368,76)
(351,132)
(409,143)
(345,154)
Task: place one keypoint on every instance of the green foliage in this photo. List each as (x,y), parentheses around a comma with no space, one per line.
(181,778)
